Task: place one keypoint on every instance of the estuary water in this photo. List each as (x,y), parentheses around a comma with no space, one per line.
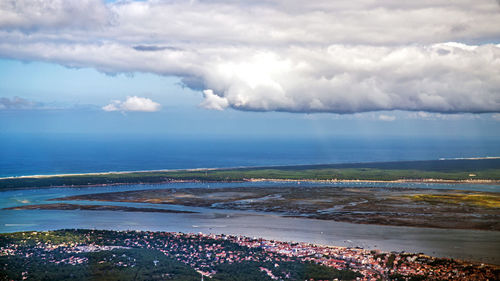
(481,246)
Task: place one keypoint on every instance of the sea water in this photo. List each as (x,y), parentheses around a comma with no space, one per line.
(55,154)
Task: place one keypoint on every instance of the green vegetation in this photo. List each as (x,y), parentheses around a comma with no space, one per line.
(131,255)
(481,200)
(103,265)
(314,271)
(27,239)
(390,260)
(245,271)
(452,170)
(249,271)
(146,255)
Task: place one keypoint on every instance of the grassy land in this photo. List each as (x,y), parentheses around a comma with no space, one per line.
(480,200)
(448,170)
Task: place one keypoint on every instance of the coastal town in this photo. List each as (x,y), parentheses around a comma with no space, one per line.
(211,256)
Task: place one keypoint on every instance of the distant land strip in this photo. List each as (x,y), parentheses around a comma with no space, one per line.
(481,170)
(64,206)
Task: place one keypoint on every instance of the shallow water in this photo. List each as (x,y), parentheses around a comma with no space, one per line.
(474,245)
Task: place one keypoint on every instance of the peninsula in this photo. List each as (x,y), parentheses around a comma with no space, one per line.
(482,170)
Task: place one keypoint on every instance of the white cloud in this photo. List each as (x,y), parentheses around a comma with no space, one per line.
(384,117)
(133,104)
(16,103)
(425,115)
(33,15)
(295,56)
(213,101)
(441,116)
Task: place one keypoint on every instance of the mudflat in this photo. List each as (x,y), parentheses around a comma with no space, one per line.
(63,206)
(453,209)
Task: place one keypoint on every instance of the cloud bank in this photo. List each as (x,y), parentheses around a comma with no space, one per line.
(276,55)
(16,103)
(387,118)
(133,104)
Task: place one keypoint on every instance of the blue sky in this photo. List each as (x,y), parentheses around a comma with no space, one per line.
(69,100)
(280,69)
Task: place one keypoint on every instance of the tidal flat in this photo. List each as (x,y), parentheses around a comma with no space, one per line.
(63,206)
(450,209)
(466,244)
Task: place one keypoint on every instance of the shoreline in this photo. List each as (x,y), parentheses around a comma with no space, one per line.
(290,242)
(86,207)
(202,169)
(368,264)
(116,173)
(360,206)
(458,171)
(97,207)
(428,181)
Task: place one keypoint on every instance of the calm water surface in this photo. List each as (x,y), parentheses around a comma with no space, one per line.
(55,154)
(474,245)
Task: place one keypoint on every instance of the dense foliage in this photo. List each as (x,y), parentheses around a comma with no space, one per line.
(52,256)
(115,267)
(485,169)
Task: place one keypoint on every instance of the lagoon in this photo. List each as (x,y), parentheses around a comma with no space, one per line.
(475,245)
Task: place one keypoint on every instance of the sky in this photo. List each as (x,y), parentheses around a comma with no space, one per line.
(262,68)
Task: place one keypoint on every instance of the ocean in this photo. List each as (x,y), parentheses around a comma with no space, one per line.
(55,154)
